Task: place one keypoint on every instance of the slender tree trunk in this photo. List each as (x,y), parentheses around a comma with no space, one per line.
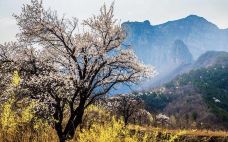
(62,139)
(58,116)
(58,128)
(126,120)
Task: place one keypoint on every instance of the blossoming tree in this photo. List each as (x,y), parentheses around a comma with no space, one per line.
(77,67)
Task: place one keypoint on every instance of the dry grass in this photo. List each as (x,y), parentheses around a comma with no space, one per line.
(49,134)
(191,132)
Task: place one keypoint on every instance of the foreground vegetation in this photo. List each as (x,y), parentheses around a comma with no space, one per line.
(98,126)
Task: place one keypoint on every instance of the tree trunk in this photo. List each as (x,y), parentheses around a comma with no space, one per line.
(62,138)
(70,128)
(58,116)
(125,121)
(75,120)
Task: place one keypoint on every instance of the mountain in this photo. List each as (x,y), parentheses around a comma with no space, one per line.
(179,53)
(175,43)
(205,60)
(197,97)
(210,58)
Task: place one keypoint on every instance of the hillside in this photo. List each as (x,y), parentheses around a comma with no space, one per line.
(198,98)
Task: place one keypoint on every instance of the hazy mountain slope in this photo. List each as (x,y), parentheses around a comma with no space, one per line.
(210,58)
(207,59)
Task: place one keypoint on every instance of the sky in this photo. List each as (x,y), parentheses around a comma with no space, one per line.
(156,11)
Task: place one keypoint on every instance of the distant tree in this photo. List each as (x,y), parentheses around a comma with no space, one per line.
(162,120)
(72,70)
(126,106)
(194,115)
(173,121)
(142,116)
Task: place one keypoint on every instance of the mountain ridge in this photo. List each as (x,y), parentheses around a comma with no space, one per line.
(191,16)
(153,44)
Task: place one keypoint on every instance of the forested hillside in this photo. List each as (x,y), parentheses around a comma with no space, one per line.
(199,96)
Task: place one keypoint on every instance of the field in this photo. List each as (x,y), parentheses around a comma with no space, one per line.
(99,126)
(138,133)
(193,132)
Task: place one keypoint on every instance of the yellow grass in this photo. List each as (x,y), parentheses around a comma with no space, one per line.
(193,132)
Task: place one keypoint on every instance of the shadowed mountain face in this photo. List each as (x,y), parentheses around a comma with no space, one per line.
(174,43)
(179,53)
